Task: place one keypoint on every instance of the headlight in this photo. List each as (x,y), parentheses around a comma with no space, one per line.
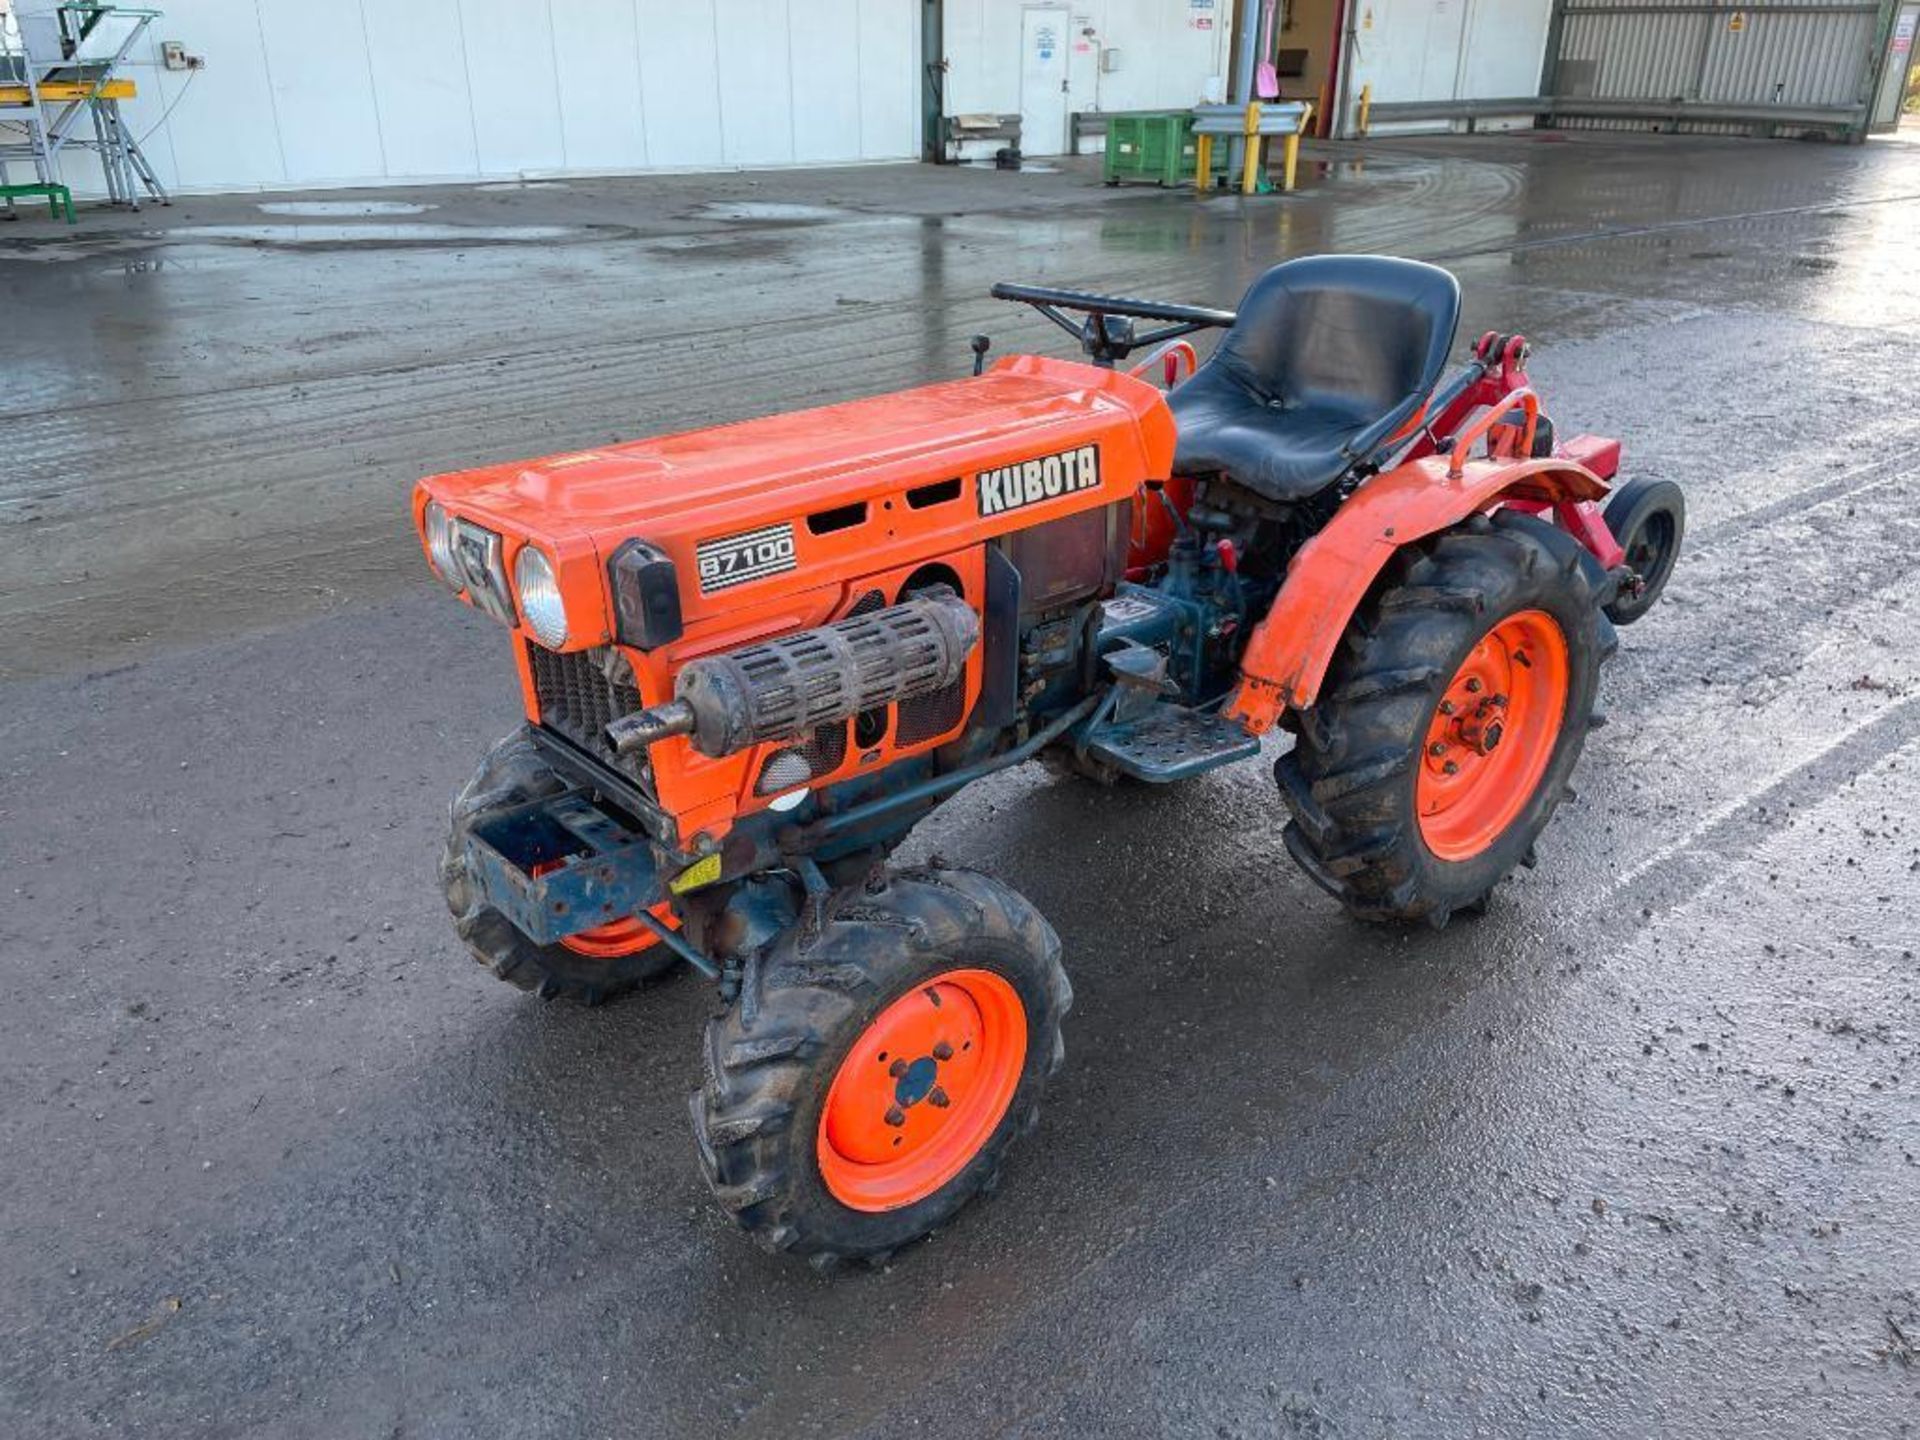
(440,545)
(539,593)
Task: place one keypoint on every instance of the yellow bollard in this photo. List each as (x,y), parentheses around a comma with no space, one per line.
(1290,155)
(1202,164)
(1250,173)
(1366,107)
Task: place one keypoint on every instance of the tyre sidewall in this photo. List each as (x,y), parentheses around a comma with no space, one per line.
(1627,513)
(839,1227)
(1352,779)
(1463,881)
(773,1055)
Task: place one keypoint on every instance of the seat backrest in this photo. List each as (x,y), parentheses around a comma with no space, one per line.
(1359,335)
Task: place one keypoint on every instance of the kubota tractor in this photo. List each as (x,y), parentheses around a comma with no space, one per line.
(753,657)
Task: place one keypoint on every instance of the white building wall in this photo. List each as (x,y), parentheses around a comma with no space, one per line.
(1446,50)
(372,92)
(1166,58)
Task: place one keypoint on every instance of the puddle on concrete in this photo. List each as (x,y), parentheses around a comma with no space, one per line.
(766,211)
(493,185)
(343,207)
(370,234)
(317,236)
(1027,167)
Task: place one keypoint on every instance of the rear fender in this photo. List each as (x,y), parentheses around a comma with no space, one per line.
(1288,653)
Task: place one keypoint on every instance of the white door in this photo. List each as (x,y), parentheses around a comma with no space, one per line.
(1043,81)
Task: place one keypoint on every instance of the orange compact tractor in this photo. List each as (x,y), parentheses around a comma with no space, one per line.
(754,657)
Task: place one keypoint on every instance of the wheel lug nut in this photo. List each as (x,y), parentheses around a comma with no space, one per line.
(1446,707)
(1438,747)
(1473,686)
(897,1069)
(895,1115)
(943,1051)
(937,1098)
(1451,768)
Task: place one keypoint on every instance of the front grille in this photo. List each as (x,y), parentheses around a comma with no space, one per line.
(580,693)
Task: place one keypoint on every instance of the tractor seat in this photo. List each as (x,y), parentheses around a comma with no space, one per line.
(1327,358)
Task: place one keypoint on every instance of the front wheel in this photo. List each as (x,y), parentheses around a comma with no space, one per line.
(588,968)
(882,1056)
(1449,722)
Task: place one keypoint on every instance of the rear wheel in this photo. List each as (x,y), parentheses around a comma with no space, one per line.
(1449,722)
(879,1062)
(588,968)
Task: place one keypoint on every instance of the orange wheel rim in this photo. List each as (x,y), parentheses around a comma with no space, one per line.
(625,936)
(1491,735)
(922,1089)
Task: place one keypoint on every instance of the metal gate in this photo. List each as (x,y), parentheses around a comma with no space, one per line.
(1778,68)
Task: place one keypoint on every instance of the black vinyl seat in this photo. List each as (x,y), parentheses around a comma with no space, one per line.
(1326,358)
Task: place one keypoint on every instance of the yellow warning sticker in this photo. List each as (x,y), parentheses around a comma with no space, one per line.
(701,872)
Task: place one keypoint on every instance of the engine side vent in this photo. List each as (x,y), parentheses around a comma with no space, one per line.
(925,716)
(827,750)
(937,493)
(868,603)
(823,754)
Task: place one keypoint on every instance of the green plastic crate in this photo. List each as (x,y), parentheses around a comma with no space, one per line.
(1156,146)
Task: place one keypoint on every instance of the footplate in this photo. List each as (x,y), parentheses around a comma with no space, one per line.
(1170,742)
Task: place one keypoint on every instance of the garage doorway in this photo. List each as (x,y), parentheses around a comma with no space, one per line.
(1306,55)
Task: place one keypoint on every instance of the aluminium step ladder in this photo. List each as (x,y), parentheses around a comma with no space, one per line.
(56,96)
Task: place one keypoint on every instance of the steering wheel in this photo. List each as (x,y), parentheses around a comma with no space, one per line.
(1107,333)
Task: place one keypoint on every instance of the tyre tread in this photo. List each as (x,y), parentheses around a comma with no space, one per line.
(758,1071)
(1345,781)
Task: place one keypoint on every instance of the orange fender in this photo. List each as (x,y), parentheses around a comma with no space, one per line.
(1287,656)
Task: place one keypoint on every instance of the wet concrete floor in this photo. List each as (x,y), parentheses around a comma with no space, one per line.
(1637,1153)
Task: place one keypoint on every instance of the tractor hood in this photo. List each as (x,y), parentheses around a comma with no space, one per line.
(833,492)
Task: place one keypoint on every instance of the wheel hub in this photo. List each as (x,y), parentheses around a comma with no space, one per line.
(921,1089)
(1482,731)
(1492,735)
(916,1080)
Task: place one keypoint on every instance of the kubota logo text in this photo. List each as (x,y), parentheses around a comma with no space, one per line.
(1031,481)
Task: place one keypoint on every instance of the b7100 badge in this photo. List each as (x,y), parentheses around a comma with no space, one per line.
(736,559)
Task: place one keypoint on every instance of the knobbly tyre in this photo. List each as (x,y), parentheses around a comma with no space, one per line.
(754,657)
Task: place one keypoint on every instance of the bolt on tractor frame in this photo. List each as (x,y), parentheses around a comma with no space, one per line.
(753,657)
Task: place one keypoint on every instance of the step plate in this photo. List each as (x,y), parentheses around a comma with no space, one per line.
(1170,743)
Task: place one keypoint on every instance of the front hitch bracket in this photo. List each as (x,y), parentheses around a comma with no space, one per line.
(561,865)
